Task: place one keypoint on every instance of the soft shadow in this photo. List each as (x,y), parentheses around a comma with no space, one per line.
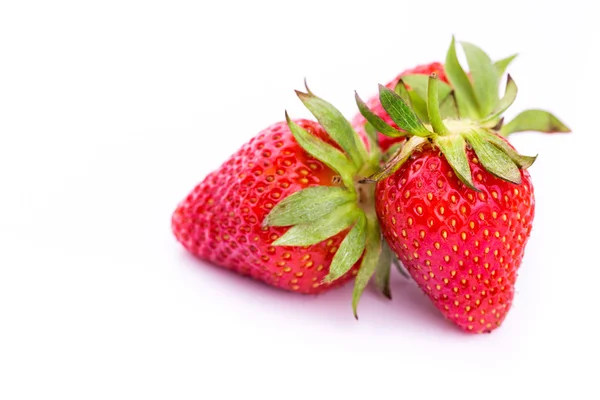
(409,308)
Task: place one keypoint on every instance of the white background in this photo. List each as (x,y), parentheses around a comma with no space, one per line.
(111,111)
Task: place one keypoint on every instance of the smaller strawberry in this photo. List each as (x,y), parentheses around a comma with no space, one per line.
(412,86)
(286,209)
(456,203)
(359,122)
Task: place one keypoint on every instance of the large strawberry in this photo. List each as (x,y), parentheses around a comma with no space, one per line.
(412,85)
(456,204)
(286,208)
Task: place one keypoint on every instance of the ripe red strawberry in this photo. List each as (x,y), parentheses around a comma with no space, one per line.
(385,142)
(285,208)
(456,204)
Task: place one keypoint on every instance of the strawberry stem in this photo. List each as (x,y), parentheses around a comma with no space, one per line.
(433,106)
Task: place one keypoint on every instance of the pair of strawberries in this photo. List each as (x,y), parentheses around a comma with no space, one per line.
(423,173)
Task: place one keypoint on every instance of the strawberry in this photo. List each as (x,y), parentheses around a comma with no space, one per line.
(359,122)
(285,209)
(456,204)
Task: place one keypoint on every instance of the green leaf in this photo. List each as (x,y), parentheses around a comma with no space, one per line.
(522,162)
(449,108)
(501,65)
(534,120)
(336,126)
(383,269)
(316,231)
(400,113)
(454,149)
(485,81)
(463,90)
(369,262)
(433,106)
(419,84)
(400,268)
(419,106)
(308,205)
(397,160)
(377,122)
(402,91)
(507,100)
(374,150)
(323,151)
(349,251)
(493,159)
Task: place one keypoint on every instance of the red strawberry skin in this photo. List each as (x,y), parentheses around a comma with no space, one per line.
(221,219)
(463,248)
(385,142)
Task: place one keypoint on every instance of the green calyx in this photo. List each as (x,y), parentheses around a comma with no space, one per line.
(317,213)
(468,112)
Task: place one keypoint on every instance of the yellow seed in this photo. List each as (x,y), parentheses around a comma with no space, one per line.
(455,248)
(475,160)
(419,210)
(463,236)
(442,210)
(429,253)
(495,194)
(467,309)
(461,263)
(410,221)
(415,255)
(452,273)
(470,196)
(429,196)
(456,303)
(407,194)
(453,223)
(453,198)
(463,209)
(467,252)
(446,258)
(481,216)
(470,327)
(463,281)
(309,264)
(446,281)
(516,192)
(476,259)
(446,307)
(393,220)
(438,287)
(486,265)
(294,280)
(422,234)
(455,290)
(479,177)
(425,277)
(472,225)
(497,234)
(403,233)
(478,302)
(299,274)
(486,232)
(295,287)
(494,214)
(436,245)
(482,196)
(432,274)
(470,318)
(504,217)
(444,234)
(427,262)
(416,243)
